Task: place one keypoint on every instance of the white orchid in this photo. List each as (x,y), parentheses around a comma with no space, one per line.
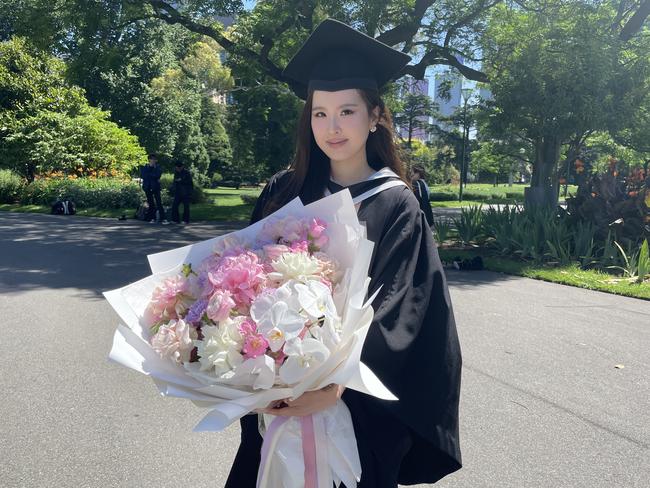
(261,368)
(303,354)
(315,298)
(277,317)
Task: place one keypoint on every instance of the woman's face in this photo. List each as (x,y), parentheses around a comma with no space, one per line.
(341,123)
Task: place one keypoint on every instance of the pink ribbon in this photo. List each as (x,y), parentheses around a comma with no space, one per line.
(308,449)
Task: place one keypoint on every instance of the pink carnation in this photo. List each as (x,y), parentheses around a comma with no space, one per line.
(220,305)
(328,268)
(241,276)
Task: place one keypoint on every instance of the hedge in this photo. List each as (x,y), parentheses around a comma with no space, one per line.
(84,192)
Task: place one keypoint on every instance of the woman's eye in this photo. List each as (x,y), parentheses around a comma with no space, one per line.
(347,112)
(319,114)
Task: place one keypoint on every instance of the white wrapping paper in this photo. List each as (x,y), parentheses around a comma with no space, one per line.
(226,403)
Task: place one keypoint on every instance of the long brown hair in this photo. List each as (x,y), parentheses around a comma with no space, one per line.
(310,168)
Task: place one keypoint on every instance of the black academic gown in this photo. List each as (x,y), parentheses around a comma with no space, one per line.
(412,346)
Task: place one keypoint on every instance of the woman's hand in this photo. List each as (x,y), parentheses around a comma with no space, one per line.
(309,402)
(271,406)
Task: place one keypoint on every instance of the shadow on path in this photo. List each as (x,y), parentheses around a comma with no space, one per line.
(51,251)
(95,254)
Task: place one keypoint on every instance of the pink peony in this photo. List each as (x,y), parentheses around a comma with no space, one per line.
(174,341)
(241,276)
(220,305)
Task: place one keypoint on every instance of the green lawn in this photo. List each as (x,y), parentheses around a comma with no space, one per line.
(467,203)
(475,192)
(223,204)
(568,275)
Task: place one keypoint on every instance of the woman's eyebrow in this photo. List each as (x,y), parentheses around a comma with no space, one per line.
(340,107)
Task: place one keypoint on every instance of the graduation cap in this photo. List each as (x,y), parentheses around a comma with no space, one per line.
(338,57)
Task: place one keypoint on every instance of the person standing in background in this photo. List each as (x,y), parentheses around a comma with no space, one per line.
(421,190)
(182,188)
(150,174)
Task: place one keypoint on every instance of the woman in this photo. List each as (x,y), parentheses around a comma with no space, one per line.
(345,141)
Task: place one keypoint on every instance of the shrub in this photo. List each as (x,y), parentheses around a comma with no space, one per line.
(249,199)
(167,190)
(478,196)
(200,179)
(11,186)
(442,196)
(515,195)
(215,179)
(103,193)
(617,202)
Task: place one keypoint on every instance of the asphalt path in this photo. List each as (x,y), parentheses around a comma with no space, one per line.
(556,380)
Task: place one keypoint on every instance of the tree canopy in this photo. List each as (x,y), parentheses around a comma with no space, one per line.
(48,125)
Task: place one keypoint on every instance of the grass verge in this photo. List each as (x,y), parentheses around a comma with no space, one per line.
(571,275)
(223,204)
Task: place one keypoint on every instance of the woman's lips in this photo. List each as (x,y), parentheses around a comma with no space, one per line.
(336,143)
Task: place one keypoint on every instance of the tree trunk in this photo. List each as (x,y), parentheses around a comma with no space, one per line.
(543,189)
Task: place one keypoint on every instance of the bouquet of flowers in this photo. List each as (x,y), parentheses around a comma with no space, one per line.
(259,315)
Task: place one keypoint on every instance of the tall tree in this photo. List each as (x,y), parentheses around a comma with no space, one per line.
(556,76)
(414,110)
(442,33)
(47,125)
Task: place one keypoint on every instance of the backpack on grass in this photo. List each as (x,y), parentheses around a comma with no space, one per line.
(64,207)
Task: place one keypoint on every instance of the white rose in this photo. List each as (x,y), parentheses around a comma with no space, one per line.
(220,348)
